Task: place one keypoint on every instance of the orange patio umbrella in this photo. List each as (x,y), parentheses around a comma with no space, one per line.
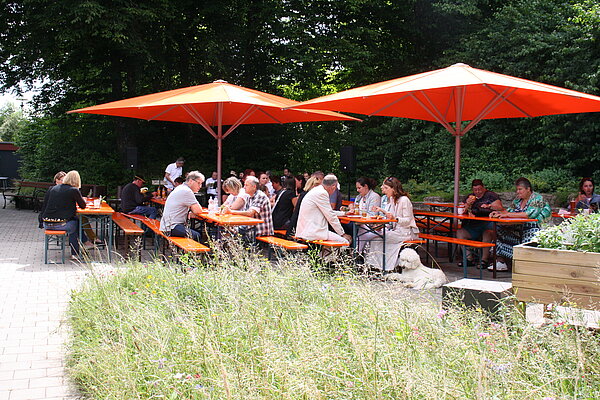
(213,105)
(454,95)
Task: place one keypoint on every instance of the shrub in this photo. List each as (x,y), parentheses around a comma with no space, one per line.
(581,233)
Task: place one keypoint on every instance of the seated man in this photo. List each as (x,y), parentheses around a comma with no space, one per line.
(178,181)
(257,206)
(179,203)
(480,203)
(132,200)
(283,203)
(316,213)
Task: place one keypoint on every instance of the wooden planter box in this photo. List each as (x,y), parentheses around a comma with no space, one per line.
(561,277)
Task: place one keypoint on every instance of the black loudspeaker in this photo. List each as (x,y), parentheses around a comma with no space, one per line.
(348,159)
(131,157)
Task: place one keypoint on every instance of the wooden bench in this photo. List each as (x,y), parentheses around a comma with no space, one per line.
(277,242)
(128,227)
(25,198)
(185,244)
(463,243)
(324,243)
(280,232)
(61,237)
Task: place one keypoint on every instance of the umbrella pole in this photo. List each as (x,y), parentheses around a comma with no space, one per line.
(219,149)
(456,171)
(219,153)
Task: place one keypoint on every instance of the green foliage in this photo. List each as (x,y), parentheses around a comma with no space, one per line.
(241,328)
(581,233)
(12,122)
(100,52)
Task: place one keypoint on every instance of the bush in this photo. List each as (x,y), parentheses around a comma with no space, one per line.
(242,328)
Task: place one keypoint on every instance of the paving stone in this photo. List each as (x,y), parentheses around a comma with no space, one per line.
(33,300)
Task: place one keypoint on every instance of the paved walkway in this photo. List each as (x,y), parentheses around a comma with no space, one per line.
(33,299)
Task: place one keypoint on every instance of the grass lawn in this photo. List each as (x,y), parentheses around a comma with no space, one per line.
(239,327)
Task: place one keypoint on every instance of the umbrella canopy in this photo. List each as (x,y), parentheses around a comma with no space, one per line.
(456,94)
(213,105)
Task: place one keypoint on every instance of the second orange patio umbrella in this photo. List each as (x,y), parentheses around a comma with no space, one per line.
(213,105)
(454,95)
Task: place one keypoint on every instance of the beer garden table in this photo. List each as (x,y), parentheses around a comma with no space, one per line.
(431,219)
(370,224)
(103,217)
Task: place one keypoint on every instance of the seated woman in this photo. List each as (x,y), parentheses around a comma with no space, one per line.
(365,201)
(587,198)
(60,210)
(237,196)
(367,198)
(527,204)
(399,207)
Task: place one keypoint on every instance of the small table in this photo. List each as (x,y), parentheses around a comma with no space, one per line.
(103,216)
(370,224)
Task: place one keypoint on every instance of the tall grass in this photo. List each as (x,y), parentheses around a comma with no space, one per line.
(238,327)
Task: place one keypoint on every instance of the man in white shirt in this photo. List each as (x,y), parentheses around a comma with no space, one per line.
(179,203)
(211,186)
(172,172)
(316,213)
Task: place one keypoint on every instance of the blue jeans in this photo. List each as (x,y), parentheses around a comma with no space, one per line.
(72,229)
(181,230)
(146,211)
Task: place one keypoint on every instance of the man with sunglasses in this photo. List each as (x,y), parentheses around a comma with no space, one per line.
(179,203)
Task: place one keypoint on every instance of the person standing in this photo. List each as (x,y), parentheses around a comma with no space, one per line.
(316,214)
(211,186)
(179,203)
(132,199)
(173,171)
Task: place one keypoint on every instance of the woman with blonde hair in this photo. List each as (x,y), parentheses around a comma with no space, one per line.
(237,195)
(60,210)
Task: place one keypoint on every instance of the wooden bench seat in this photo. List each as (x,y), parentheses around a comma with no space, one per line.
(129,229)
(185,244)
(283,243)
(463,243)
(325,243)
(443,227)
(61,237)
(126,225)
(280,232)
(415,241)
(460,242)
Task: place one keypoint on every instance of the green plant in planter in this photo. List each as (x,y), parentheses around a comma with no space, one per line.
(581,233)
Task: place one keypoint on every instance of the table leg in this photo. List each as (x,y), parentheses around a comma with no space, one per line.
(110,237)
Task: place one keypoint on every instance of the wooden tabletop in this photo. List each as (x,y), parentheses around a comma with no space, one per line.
(502,221)
(229,219)
(447,205)
(158,200)
(565,215)
(357,219)
(104,209)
